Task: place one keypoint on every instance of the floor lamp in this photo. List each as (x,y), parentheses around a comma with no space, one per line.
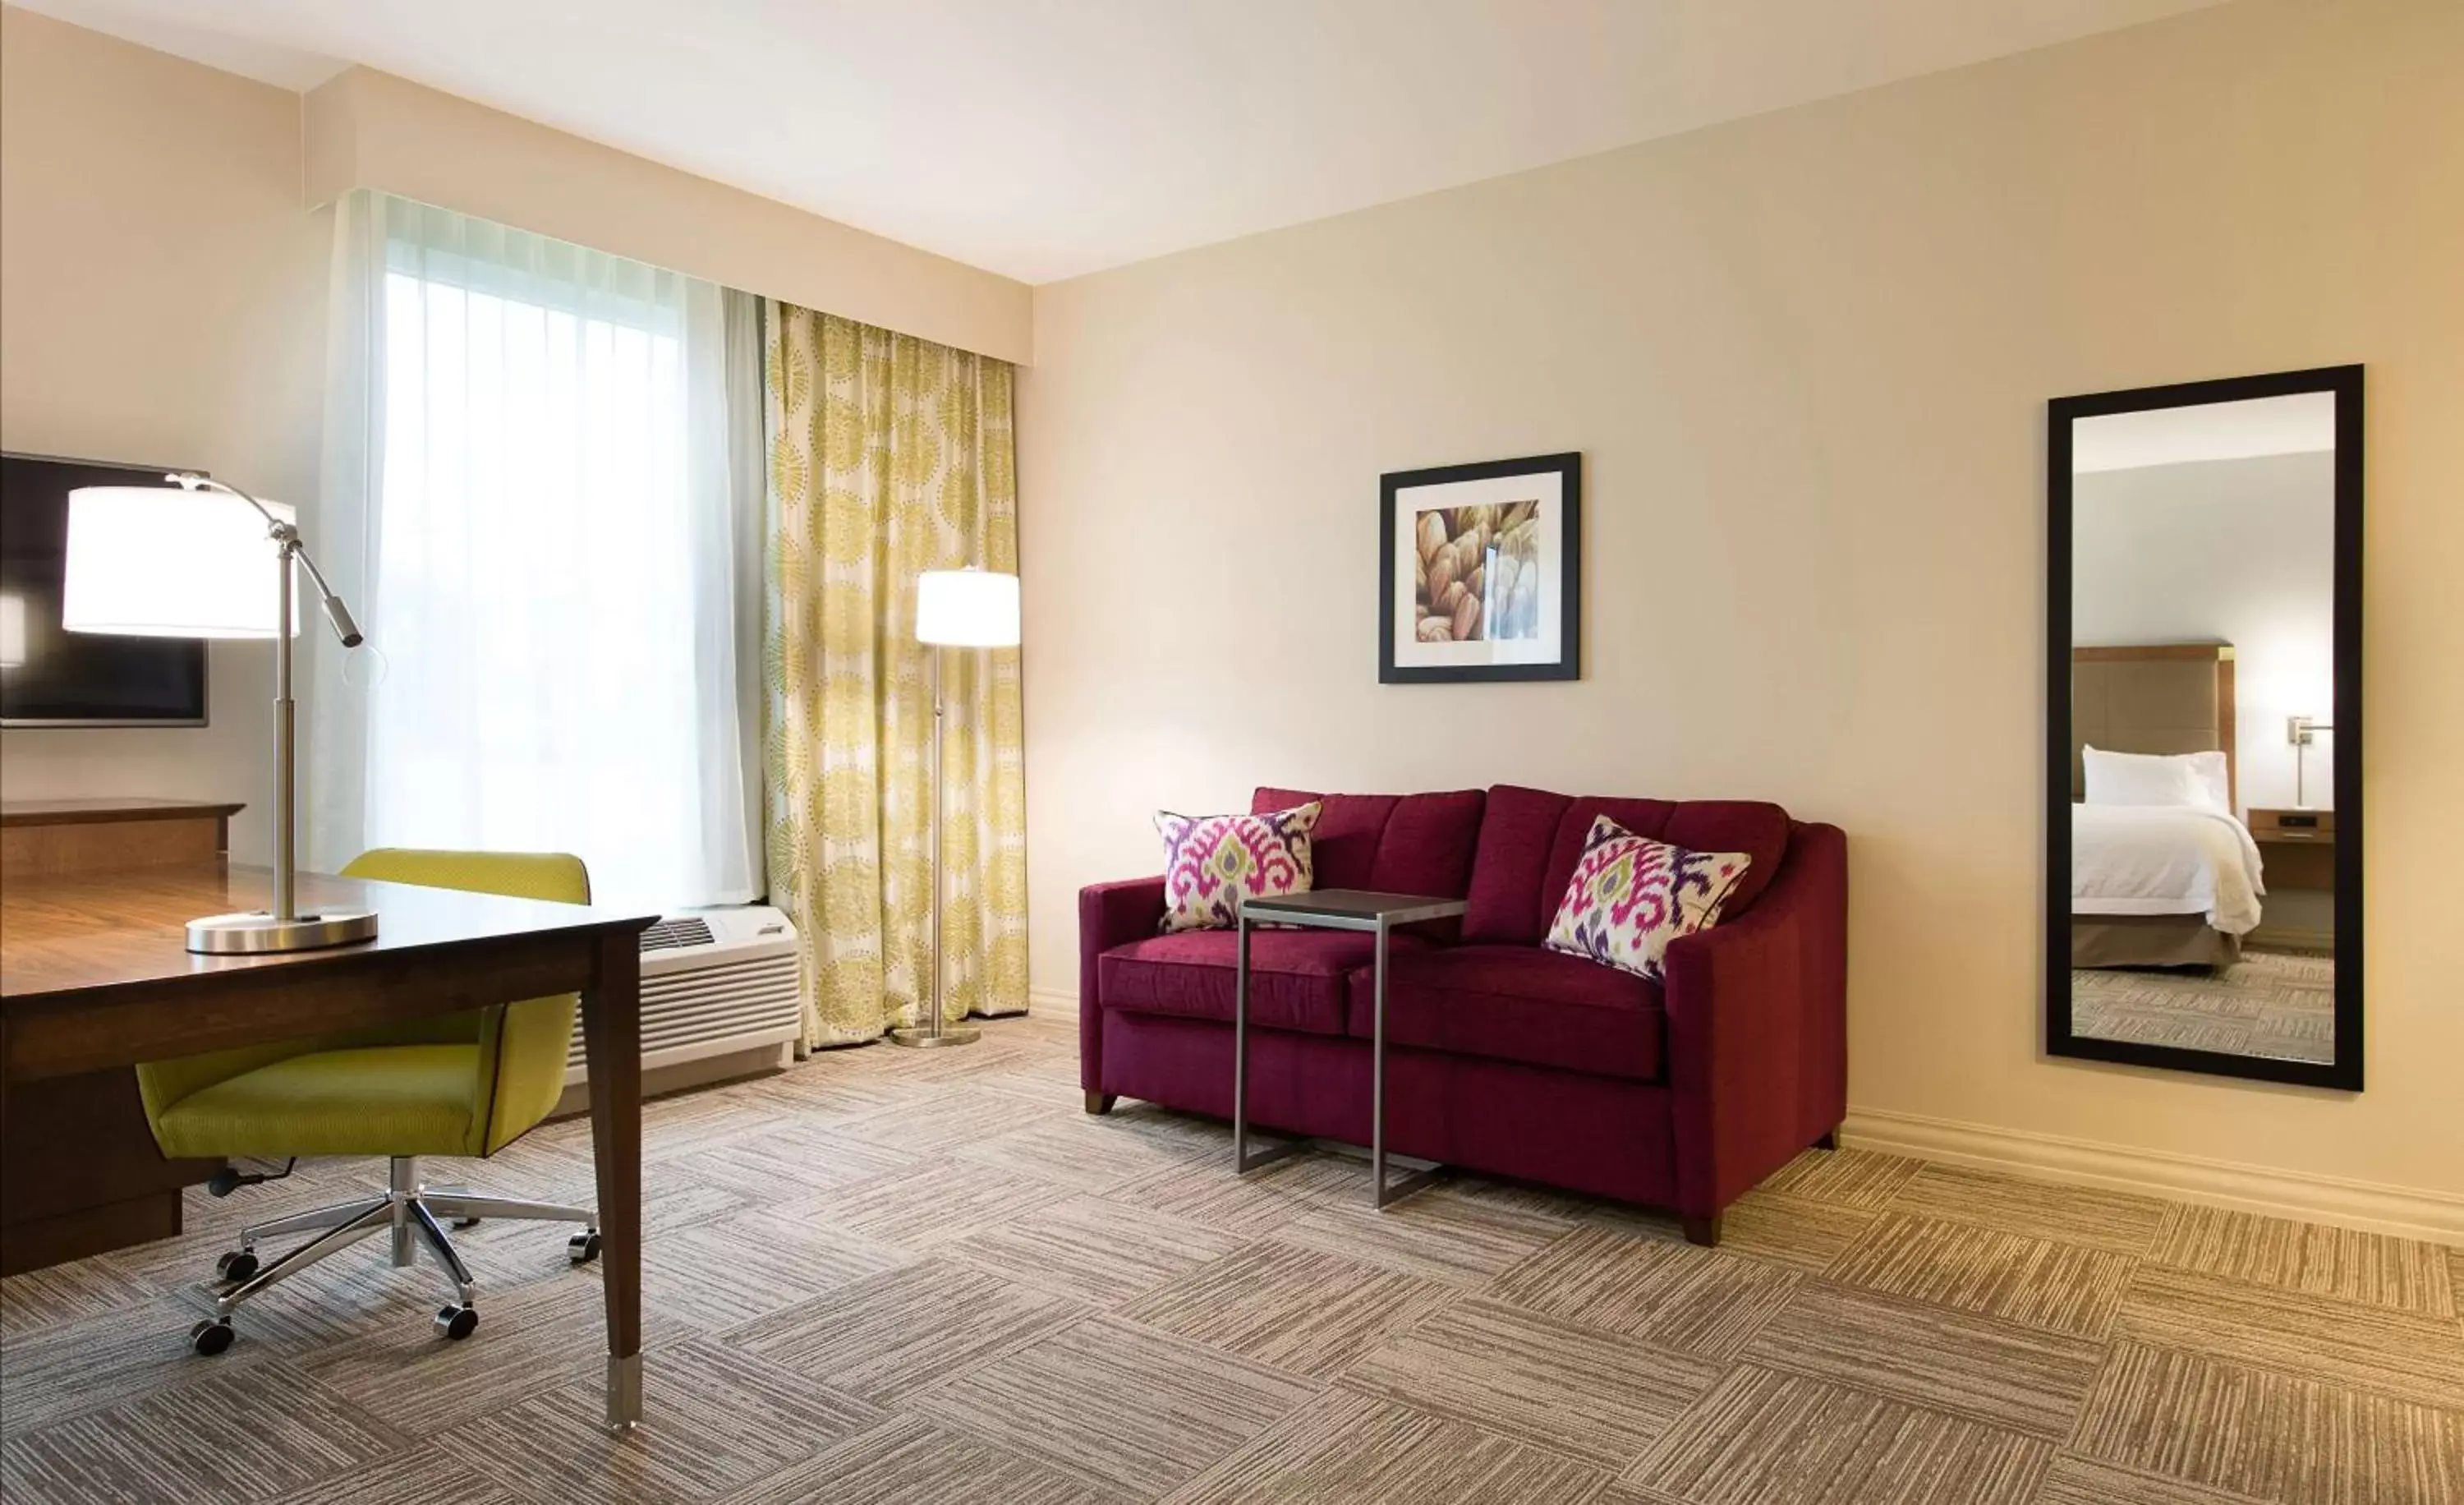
(954,609)
(158,561)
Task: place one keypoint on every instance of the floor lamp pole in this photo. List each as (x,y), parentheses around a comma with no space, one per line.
(932,1032)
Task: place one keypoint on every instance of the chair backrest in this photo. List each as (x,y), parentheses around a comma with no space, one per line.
(530,1038)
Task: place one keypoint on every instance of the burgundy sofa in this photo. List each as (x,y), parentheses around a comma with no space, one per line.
(1504,1057)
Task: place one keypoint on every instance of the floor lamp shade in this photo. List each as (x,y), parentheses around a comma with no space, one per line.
(966,609)
(160,561)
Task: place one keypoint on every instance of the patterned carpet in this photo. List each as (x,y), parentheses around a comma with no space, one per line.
(2278,1005)
(890,1276)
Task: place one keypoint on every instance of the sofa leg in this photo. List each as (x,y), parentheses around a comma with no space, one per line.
(1830,1140)
(1100,1102)
(1704,1231)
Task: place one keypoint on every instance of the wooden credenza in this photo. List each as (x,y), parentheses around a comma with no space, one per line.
(79,1172)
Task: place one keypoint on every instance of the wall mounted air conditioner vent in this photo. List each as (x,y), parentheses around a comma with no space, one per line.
(714,981)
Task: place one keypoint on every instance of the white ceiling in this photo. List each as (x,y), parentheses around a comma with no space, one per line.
(2299,424)
(1048,138)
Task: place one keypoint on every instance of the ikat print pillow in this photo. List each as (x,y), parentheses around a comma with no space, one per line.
(1631,895)
(1210,861)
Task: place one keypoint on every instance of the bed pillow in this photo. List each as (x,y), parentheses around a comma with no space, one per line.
(2195,779)
(1210,862)
(1631,896)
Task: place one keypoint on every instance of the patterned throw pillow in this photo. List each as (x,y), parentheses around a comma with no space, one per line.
(1631,895)
(1209,861)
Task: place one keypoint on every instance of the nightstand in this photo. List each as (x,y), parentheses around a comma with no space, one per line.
(2299,846)
(2298,850)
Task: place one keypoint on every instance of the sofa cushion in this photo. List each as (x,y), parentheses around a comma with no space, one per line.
(1213,862)
(1631,897)
(1531,839)
(1296,977)
(1344,843)
(1518,1004)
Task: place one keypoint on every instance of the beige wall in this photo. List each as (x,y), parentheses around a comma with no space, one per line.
(369,129)
(1806,357)
(162,300)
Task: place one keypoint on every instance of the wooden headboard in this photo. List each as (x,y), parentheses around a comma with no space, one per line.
(2167,697)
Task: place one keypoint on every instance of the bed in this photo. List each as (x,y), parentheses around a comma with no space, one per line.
(2163,883)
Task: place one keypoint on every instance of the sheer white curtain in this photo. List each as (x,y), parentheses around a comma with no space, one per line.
(531,487)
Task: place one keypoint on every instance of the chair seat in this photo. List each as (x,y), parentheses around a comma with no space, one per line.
(388,1100)
(1296,977)
(1519,1003)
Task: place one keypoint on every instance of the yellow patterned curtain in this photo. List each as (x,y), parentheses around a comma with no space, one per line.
(890,455)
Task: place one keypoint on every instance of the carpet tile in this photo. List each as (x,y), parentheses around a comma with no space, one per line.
(1099,1253)
(1589,1395)
(1124,1407)
(2270,1435)
(1991,1371)
(262,1428)
(1350,1448)
(1309,1313)
(1850,1177)
(2115,1221)
(2062,1288)
(2308,1257)
(1668,1295)
(2395,1354)
(879,1338)
(889,1278)
(1763,1437)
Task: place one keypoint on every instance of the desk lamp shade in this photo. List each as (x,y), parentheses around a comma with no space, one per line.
(966,609)
(161,562)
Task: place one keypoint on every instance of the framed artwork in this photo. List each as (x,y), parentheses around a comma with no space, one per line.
(1479,571)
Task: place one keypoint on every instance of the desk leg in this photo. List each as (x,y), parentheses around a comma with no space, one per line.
(612,1029)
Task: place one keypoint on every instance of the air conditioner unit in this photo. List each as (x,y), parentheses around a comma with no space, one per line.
(714,981)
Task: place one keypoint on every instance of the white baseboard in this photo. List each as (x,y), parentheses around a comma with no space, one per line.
(1052,1000)
(2433,1216)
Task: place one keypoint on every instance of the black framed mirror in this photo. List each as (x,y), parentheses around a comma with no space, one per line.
(2203,685)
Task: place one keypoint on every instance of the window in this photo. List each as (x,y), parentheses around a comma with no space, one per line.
(549,550)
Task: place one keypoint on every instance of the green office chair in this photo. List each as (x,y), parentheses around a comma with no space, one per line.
(465,1084)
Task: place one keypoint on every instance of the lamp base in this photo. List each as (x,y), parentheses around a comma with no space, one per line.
(258,933)
(922,1039)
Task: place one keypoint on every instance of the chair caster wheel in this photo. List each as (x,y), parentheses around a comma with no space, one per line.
(582,1247)
(461,1223)
(210,1336)
(237,1265)
(456,1322)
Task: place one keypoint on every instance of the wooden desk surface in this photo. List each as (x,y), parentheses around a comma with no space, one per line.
(78,932)
(91,811)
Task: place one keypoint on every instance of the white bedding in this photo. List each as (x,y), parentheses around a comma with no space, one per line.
(2164,859)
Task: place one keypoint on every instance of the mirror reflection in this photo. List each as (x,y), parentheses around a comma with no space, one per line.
(2202,734)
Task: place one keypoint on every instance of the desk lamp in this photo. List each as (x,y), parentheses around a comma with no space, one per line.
(154,562)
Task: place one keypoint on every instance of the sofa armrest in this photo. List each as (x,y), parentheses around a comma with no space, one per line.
(1758,1028)
(1109,915)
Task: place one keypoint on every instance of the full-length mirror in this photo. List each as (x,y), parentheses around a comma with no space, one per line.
(2203,767)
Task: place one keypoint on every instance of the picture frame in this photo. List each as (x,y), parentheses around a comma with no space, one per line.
(1479,571)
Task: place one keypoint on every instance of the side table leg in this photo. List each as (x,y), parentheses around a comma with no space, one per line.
(1418,1179)
(1243,1161)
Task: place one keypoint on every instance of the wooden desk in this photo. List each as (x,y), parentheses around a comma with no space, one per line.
(94,975)
(48,837)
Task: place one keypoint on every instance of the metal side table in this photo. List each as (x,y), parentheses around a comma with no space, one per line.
(1331,909)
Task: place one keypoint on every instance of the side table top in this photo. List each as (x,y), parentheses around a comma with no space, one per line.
(1351,909)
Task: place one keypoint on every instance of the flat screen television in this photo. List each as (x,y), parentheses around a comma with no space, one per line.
(49,678)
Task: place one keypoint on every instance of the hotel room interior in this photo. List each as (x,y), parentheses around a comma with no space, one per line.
(1592,752)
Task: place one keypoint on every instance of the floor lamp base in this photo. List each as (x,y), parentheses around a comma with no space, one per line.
(921,1038)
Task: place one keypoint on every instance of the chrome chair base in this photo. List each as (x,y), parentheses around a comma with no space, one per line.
(413,1216)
